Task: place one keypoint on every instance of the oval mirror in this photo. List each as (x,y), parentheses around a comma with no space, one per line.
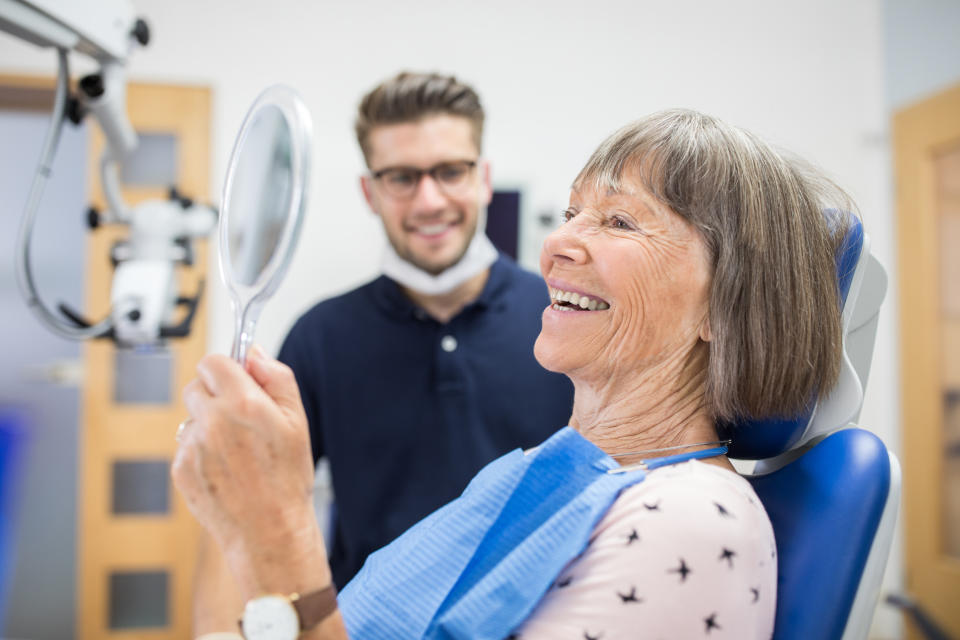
(264,198)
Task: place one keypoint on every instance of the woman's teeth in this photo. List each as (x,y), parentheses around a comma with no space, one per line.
(569,300)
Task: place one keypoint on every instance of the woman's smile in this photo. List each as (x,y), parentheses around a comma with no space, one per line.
(565,297)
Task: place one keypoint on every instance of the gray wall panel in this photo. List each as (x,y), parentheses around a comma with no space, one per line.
(45,540)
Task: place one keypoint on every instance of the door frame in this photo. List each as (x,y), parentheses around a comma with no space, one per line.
(920,133)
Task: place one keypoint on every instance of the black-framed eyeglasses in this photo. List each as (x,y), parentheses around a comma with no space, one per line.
(402,182)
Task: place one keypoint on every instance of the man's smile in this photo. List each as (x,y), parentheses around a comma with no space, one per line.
(434,229)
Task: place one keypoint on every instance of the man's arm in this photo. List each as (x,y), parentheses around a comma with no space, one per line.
(217,604)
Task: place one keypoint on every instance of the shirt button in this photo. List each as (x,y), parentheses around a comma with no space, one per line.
(448,343)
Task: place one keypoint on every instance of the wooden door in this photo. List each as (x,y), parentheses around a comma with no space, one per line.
(136,567)
(927,166)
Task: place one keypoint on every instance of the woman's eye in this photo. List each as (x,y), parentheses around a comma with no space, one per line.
(566,216)
(619,223)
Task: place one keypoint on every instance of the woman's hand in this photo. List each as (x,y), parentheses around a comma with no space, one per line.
(245,470)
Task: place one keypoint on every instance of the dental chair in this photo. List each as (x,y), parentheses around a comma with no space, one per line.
(831,488)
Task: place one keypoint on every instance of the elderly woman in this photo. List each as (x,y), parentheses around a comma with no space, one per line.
(693,283)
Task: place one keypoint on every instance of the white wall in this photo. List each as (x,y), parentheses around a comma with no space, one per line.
(807,76)
(555,79)
(922,48)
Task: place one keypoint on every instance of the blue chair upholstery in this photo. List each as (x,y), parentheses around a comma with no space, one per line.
(825,508)
(831,489)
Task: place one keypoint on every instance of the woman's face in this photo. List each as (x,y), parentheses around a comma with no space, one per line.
(645,273)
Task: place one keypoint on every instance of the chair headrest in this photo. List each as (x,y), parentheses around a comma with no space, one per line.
(858,273)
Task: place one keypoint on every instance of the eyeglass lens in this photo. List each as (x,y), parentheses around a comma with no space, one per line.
(403,181)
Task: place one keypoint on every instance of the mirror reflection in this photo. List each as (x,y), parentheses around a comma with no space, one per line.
(264,198)
(260,196)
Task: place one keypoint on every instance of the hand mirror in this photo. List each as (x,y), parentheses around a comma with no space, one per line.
(264,198)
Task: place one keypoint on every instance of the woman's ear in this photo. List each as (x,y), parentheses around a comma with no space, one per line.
(705,334)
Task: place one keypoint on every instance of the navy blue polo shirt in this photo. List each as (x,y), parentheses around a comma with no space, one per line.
(407,410)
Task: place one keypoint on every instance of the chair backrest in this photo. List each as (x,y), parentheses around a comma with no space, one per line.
(831,489)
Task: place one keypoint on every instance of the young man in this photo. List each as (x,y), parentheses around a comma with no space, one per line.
(414,381)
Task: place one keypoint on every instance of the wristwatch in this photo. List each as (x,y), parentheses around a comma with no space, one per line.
(280,617)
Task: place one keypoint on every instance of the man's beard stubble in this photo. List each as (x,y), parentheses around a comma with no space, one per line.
(434,269)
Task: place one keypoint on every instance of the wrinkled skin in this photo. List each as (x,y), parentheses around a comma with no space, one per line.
(638,367)
(244,468)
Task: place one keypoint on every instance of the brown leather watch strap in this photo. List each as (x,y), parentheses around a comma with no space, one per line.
(313,607)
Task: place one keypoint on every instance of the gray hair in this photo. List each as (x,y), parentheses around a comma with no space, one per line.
(774,308)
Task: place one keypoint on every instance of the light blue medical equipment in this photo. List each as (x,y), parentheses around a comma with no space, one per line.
(831,489)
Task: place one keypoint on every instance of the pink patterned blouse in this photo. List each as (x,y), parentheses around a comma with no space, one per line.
(687,553)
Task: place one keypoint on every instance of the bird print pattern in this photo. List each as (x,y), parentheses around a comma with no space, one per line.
(687,553)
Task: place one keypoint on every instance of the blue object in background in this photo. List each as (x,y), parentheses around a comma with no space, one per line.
(13,441)
(503,222)
(31,379)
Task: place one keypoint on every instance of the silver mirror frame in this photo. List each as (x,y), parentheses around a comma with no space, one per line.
(248,300)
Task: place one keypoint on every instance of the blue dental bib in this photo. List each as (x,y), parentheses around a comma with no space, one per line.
(477,567)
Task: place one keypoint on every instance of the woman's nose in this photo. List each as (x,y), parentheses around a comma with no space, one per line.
(565,244)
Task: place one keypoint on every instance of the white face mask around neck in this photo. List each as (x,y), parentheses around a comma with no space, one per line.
(480,254)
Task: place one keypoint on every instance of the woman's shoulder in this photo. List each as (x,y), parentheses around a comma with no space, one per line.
(694,492)
(688,551)
(711,511)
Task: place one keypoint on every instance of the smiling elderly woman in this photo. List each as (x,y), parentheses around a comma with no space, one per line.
(693,283)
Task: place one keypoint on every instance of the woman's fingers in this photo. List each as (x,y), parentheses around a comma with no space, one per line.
(196,397)
(224,378)
(234,395)
(275,378)
(243,464)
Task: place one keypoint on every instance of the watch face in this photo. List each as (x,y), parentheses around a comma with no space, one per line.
(270,618)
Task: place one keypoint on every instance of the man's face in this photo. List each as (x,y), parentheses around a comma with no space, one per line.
(431,227)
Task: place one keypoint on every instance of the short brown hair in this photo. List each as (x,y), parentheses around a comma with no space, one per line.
(410,97)
(774,301)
